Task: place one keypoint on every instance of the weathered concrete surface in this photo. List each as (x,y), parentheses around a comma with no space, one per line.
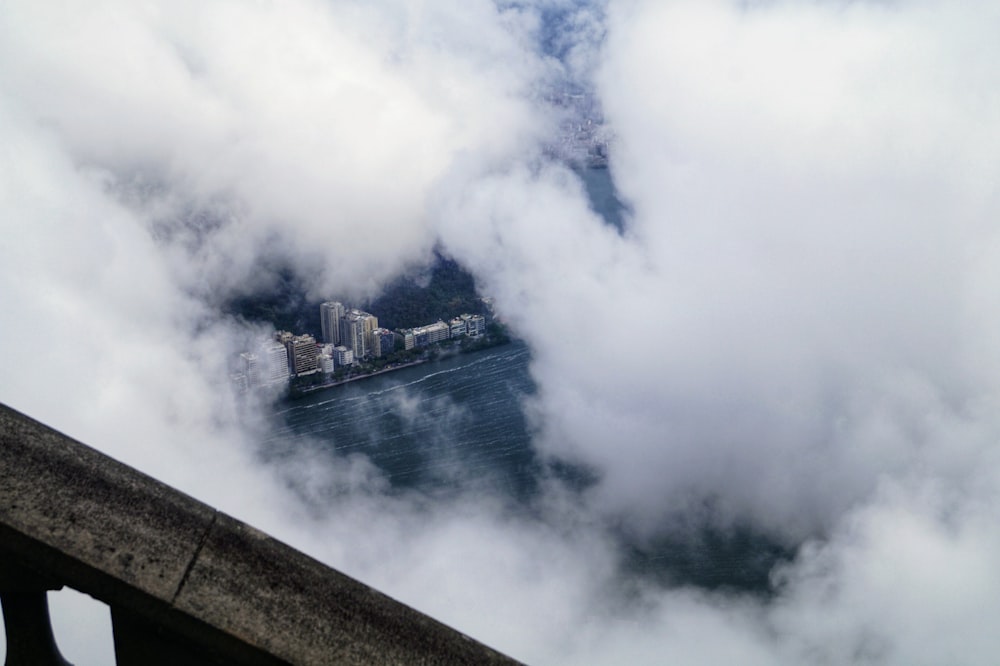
(198,577)
(86,514)
(251,585)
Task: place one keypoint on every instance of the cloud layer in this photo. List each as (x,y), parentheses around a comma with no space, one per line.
(793,334)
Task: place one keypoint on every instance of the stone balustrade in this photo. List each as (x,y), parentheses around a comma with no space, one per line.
(186,584)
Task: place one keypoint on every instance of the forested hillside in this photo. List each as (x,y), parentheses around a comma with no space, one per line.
(449,291)
(445,290)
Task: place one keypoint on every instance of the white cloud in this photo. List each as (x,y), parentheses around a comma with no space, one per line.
(795,331)
(906,580)
(798,301)
(318,126)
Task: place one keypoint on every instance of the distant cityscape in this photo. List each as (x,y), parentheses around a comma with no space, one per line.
(583,136)
(352,344)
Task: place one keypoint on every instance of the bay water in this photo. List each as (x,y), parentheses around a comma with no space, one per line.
(443,424)
(460,422)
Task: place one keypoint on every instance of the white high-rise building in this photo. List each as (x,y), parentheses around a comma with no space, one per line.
(330,314)
(475,325)
(274,358)
(326,363)
(457,327)
(343,356)
(251,368)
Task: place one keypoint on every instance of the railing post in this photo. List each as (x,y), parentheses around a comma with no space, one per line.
(26,619)
(139,643)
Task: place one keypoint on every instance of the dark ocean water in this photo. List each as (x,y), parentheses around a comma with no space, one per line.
(447,423)
(454,421)
(459,423)
(604,198)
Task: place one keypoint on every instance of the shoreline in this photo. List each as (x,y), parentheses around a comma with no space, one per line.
(443,351)
(293,393)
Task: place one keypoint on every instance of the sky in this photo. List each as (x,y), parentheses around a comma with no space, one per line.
(795,331)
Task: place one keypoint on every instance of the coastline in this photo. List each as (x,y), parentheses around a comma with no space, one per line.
(298,392)
(294,393)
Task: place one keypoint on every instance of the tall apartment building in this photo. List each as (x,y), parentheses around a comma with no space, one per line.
(304,354)
(284,338)
(475,325)
(273,358)
(251,368)
(330,314)
(343,356)
(457,327)
(383,342)
(356,329)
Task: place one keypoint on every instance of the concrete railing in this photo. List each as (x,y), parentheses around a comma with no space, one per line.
(185,583)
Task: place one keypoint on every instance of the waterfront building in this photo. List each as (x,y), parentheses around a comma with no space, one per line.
(457,327)
(475,325)
(356,332)
(304,354)
(285,338)
(250,368)
(409,341)
(437,332)
(273,358)
(384,342)
(326,363)
(330,314)
(343,356)
(428,335)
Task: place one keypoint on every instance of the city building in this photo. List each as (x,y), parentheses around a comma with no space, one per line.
(326,363)
(384,342)
(330,314)
(457,327)
(437,332)
(250,368)
(428,335)
(273,358)
(343,356)
(304,354)
(475,325)
(356,332)
(360,336)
